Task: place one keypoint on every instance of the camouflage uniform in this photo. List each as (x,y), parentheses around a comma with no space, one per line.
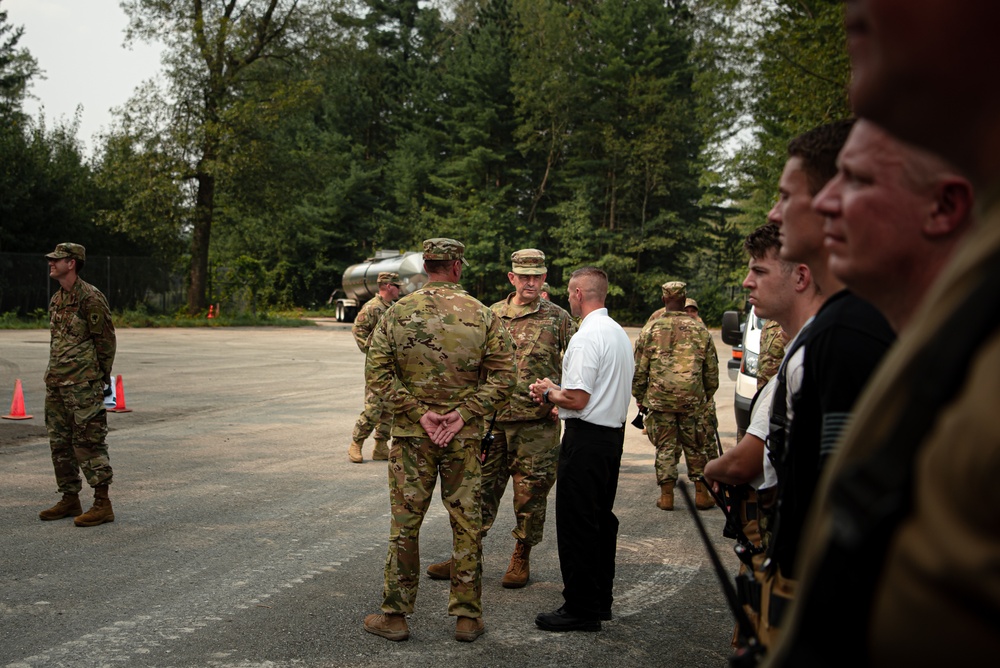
(656,315)
(676,374)
(80,357)
(527,438)
(772,351)
(375,414)
(438,349)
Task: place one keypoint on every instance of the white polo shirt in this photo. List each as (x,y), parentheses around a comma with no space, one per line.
(599,361)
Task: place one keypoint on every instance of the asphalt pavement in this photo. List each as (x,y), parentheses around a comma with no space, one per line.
(244,537)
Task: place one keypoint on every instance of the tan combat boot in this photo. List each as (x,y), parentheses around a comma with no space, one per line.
(68,506)
(440,571)
(702,499)
(100,512)
(517,573)
(354,452)
(381,451)
(666,500)
(468,629)
(390,625)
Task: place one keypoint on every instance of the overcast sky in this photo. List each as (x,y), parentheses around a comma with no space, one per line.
(78,45)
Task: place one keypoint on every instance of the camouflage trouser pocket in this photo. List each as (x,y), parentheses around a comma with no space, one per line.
(77,422)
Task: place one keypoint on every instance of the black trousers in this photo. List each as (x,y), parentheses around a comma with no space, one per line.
(586,526)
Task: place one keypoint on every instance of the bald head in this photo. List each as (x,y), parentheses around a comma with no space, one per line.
(893,215)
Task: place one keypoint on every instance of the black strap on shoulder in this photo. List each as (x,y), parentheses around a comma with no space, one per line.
(870,498)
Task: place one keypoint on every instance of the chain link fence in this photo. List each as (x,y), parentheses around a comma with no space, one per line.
(127,282)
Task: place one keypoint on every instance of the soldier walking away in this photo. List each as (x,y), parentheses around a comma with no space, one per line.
(376,415)
(526,445)
(81,353)
(446,363)
(676,376)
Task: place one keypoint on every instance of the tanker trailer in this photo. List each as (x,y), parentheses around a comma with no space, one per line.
(360,282)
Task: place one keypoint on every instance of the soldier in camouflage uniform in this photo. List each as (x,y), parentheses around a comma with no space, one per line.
(526,445)
(446,363)
(691,308)
(676,375)
(772,351)
(376,414)
(81,353)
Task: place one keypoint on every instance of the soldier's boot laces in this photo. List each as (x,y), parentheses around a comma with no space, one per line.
(517,573)
(391,626)
(666,500)
(702,499)
(468,629)
(354,452)
(381,451)
(100,512)
(440,571)
(68,506)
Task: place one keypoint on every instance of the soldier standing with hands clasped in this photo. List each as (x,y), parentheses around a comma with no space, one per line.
(527,435)
(446,362)
(81,353)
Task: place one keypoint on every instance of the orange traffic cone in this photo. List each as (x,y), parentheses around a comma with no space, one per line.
(210,312)
(17,404)
(119,397)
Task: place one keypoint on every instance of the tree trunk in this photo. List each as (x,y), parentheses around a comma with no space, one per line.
(203,212)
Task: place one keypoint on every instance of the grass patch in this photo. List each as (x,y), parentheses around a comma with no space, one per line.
(141,318)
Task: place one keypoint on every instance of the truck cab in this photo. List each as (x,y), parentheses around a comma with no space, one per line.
(747,335)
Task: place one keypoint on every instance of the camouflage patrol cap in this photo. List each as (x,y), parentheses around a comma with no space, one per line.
(74,251)
(673,289)
(690,302)
(442,248)
(388,278)
(529,262)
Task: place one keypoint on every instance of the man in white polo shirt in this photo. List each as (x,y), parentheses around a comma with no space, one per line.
(593,402)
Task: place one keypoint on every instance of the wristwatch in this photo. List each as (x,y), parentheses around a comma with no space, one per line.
(545,396)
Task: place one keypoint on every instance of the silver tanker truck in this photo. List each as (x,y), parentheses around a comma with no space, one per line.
(360,282)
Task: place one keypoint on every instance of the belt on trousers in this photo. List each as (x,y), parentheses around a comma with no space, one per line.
(577,423)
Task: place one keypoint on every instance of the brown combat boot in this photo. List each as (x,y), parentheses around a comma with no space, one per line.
(100,512)
(68,506)
(354,452)
(440,571)
(666,500)
(468,629)
(702,499)
(390,625)
(381,451)
(517,573)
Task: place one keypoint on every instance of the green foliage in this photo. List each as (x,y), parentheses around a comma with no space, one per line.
(289,140)
(799,82)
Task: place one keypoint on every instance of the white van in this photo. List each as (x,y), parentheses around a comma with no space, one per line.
(746,335)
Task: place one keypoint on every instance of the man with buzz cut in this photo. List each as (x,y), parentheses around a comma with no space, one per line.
(81,353)
(920,576)
(376,415)
(593,399)
(526,444)
(824,370)
(891,233)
